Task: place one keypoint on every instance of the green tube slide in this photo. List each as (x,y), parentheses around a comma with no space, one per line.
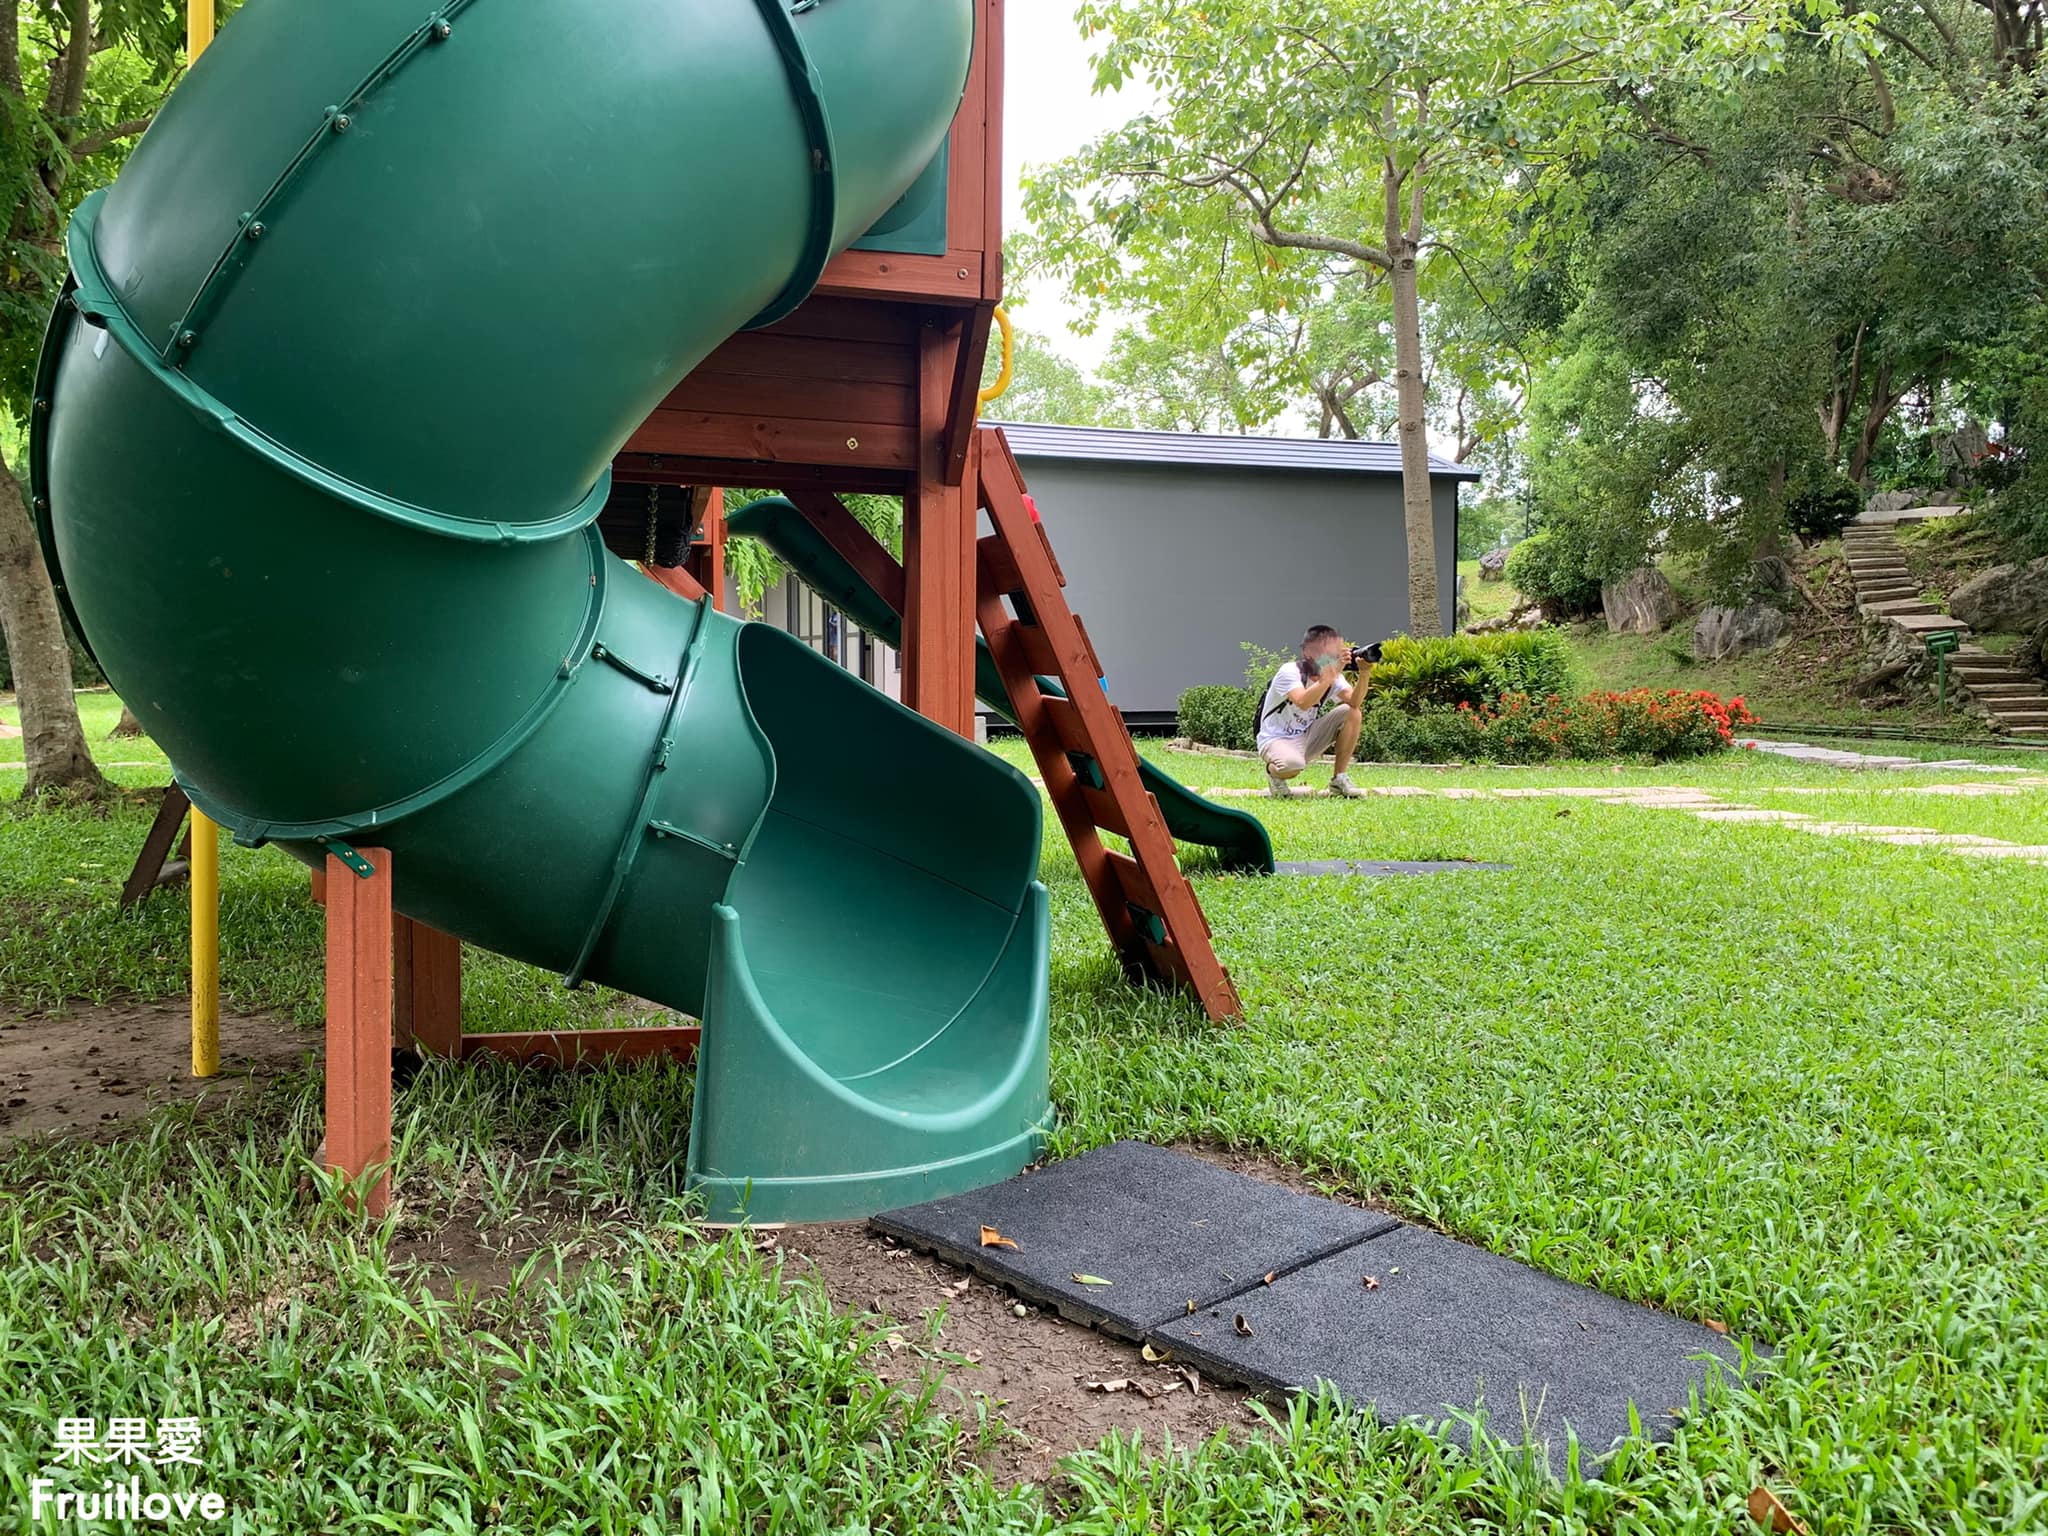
(1240,840)
(322,427)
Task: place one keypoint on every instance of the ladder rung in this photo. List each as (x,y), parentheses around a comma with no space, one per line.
(995,572)
(1036,648)
(1105,811)
(1137,886)
(1065,721)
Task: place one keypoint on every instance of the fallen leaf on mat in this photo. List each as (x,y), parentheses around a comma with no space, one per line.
(1717,1325)
(1769,1511)
(1153,1356)
(991,1238)
(1269,1277)
(1092,1280)
(1191,1306)
(1372,1282)
(1244,1329)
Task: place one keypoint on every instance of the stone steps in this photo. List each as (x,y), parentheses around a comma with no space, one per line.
(1897,607)
(1928,623)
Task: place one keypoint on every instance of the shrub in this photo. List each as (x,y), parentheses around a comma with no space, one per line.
(1218,715)
(1551,568)
(1820,509)
(1474,669)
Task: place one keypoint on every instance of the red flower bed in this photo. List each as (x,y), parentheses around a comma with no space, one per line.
(1642,722)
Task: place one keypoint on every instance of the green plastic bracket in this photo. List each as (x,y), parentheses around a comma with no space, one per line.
(611,658)
(668,829)
(1150,924)
(362,867)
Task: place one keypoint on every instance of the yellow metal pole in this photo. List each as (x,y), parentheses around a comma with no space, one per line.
(205,833)
(205,944)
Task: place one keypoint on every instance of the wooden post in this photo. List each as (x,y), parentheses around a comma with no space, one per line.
(938,550)
(711,558)
(359,1011)
(426,966)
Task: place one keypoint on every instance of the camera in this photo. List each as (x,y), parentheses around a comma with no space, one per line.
(1363,656)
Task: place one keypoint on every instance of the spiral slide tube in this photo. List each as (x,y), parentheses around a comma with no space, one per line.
(322,428)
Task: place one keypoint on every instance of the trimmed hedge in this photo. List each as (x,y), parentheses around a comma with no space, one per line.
(1474,669)
(1219,715)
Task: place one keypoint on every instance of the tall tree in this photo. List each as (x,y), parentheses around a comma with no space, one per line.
(1768,286)
(1369,140)
(78,82)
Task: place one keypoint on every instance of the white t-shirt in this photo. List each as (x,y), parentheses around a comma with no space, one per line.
(1280,719)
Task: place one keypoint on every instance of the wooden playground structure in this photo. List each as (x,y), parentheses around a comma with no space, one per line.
(871,386)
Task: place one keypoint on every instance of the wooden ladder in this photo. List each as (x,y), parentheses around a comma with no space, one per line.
(1082,747)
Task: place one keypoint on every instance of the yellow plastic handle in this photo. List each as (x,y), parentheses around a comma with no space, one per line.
(996,390)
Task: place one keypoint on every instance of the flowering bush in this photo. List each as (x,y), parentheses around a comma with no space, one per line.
(1642,722)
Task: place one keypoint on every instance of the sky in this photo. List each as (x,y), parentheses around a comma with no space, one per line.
(1050,110)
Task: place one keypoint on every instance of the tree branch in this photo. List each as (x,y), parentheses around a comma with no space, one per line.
(1299,240)
(93,143)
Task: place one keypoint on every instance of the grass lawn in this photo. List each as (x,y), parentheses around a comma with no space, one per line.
(1795,1084)
(1488,599)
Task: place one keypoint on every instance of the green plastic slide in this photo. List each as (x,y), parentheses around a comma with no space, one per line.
(1240,840)
(322,427)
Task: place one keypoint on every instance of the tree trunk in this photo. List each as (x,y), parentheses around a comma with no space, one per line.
(1882,400)
(127,725)
(1425,616)
(53,740)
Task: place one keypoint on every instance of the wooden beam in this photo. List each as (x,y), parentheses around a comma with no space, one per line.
(855,545)
(994,66)
(677,580)
(673,468)
(966,407)
(938,550)
(359,1007)
(710,565)
(426,966)
(152,867)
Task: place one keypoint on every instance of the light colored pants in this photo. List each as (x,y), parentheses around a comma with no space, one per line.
(1288,755)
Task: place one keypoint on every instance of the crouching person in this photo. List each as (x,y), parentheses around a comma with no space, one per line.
(1310,708)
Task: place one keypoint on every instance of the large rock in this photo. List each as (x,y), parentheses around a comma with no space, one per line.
(1641,603)
(1493,565)
(2004,598)
(1724,632)
(1906,500)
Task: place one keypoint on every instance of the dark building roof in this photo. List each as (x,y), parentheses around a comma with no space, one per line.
(1335,455)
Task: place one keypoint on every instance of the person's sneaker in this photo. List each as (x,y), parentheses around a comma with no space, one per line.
(1342,787)
(1278,787)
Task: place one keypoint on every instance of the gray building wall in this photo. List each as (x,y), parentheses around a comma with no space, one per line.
(1171,566)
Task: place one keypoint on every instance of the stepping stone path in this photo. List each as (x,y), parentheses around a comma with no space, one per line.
(1712,808)
(1886,590)
(1255,1283)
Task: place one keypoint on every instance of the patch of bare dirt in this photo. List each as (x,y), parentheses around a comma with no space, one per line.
(1059,1387)
(87,1070)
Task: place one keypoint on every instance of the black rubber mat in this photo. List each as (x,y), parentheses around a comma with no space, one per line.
(1414,1325)
(1163,1229)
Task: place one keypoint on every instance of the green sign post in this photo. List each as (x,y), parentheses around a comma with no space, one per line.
(1940,645)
